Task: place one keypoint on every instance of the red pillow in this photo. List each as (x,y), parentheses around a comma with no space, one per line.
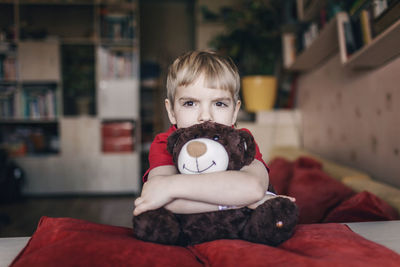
(311,245)
(316,194)
(362,207)
(305,162)
(280,174)
(72,242)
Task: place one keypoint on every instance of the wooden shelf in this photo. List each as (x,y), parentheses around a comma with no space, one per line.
(8,82)
(321,48)
(28,121)
(79,40)
(382,49)
(55,2)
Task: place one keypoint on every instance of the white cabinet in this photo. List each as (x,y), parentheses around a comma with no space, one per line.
(118,99)
(81,167)
(83,50)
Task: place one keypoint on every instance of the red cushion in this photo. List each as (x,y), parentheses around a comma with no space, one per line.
(72,242)
(362,207)
(316,193)
(304,162)
(280,174)
(311,245)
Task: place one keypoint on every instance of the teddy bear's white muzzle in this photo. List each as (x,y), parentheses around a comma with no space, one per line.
(202,155)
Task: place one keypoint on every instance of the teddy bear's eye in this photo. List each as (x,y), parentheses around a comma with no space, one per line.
(215,137)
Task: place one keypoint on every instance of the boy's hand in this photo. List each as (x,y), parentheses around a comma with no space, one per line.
(154,195)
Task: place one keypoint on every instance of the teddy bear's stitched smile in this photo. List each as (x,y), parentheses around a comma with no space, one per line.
(199,171)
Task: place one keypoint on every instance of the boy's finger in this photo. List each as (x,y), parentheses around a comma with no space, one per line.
(138,201)
(137,211)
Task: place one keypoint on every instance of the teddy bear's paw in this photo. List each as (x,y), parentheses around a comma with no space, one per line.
(203,227)
(158,226)
(272,223)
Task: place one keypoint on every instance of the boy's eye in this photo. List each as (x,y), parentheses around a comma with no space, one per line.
(188,104)
(221,104)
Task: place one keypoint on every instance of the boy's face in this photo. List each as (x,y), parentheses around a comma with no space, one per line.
(196,104)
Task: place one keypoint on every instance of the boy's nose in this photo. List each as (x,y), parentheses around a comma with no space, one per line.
(205,115)
(196,149)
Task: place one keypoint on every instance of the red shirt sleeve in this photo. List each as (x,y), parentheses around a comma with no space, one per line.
(158,154)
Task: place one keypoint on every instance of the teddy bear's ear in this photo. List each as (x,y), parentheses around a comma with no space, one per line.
(249,147)
(172,139)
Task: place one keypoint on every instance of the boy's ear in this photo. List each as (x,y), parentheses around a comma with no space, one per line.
(170,111)
(236,111)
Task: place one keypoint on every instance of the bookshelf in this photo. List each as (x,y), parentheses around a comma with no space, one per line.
(335,35)
(69,70)
(381,49)
(321,48)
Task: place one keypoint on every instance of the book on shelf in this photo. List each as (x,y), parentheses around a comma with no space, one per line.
(365,21)
(379,6)
(8,68)
(116,64)
(38,102)
(359,5)
(288,48)
(387,17)
(7,101)
(351,45)
(368,19)
(117,25)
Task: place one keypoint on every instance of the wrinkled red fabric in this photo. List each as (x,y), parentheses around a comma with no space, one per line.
(321,198)
(72,242)
(312,245)
(362,207)
(316,194)
(280,174)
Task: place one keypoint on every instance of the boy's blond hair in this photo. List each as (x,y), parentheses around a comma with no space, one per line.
(218,72)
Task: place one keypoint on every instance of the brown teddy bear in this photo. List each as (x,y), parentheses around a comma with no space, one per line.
(209,147)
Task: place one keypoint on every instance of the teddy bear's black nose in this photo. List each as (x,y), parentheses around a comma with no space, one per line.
(196,149)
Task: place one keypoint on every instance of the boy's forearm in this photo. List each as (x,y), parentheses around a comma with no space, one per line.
(239,188)
(231,188)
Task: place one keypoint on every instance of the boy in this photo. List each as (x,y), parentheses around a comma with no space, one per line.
(201,86)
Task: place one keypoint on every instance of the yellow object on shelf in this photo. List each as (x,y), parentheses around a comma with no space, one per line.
(259,92)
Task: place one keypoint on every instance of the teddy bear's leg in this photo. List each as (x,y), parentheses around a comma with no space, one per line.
(159,226)
(208,226)
(271,223)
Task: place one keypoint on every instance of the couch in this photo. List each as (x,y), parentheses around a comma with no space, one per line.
(355,179)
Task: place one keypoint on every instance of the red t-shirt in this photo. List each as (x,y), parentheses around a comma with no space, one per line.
(159,156)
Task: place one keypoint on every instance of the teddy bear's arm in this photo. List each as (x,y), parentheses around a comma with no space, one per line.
(185,206)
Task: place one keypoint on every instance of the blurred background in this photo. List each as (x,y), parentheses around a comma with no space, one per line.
(82,89)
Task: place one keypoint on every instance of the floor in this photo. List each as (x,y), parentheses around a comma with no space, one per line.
(21,218)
